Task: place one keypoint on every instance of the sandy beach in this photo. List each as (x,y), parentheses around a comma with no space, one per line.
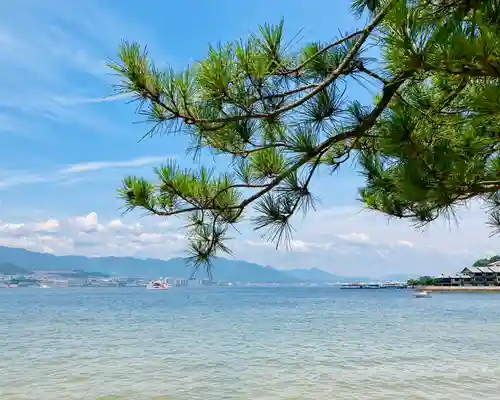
(461,289)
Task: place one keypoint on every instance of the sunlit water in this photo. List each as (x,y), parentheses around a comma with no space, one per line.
(247,343)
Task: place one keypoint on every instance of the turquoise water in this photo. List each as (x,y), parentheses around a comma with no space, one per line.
(247,343)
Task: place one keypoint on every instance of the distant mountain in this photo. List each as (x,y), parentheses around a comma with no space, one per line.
(81,274)
(8,268)
(224,270)
(20,261)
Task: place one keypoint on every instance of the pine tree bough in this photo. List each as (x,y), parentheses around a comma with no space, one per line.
(429,143)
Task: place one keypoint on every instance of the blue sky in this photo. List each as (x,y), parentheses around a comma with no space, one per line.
(64,148)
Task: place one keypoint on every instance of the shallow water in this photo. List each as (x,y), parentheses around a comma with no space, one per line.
(247,343)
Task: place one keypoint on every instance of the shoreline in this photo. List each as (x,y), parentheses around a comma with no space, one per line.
(461,289)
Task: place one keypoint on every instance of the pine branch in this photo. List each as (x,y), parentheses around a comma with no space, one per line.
(428,144)
(296,70)
(345,66)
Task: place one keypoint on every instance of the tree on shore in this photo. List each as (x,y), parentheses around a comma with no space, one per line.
(424,281)
(483,262)
(427,144)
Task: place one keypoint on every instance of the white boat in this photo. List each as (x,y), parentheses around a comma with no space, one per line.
(159,284)
(421,294)
(44,286)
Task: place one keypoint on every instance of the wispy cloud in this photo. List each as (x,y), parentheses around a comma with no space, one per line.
(66,174)
(39,69)
(53,61)
(98,165)
(71,101)
(18,178)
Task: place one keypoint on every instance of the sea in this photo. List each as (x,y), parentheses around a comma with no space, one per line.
(247,343)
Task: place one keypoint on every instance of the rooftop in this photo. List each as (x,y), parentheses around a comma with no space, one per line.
(471,269)
(479,270)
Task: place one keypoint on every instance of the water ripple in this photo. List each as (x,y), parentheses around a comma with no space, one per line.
(247,343)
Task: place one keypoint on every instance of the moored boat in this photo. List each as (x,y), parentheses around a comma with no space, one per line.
(360,285)
(393,285)
(421,294)
(12,285)
(372,285)
(352,285)
(159,284)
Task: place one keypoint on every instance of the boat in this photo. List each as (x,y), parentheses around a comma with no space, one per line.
(12,285)
(393,285)
(360,285)
(159,284)
(421,294)
(353,285)
(372,285)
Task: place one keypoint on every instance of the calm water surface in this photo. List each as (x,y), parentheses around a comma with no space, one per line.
(247,343)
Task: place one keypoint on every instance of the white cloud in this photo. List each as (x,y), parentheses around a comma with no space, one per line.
(376,228)
(300,246)
(348,243)
(53,61)
(51,225)
(115,223)
(72,101)
(355,237)
(405,243)
(87,223)
(37,64)
(60,176)
(8,227)
(22,178)
(97,165)
(86,235)
(164,224)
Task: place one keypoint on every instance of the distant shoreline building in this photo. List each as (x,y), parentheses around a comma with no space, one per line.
(488,275)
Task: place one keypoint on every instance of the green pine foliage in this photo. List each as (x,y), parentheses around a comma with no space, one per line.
(484,262)
(427,144)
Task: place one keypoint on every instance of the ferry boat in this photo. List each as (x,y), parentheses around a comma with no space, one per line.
(359,285)
(374,285)
(159,284)
(353,285)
